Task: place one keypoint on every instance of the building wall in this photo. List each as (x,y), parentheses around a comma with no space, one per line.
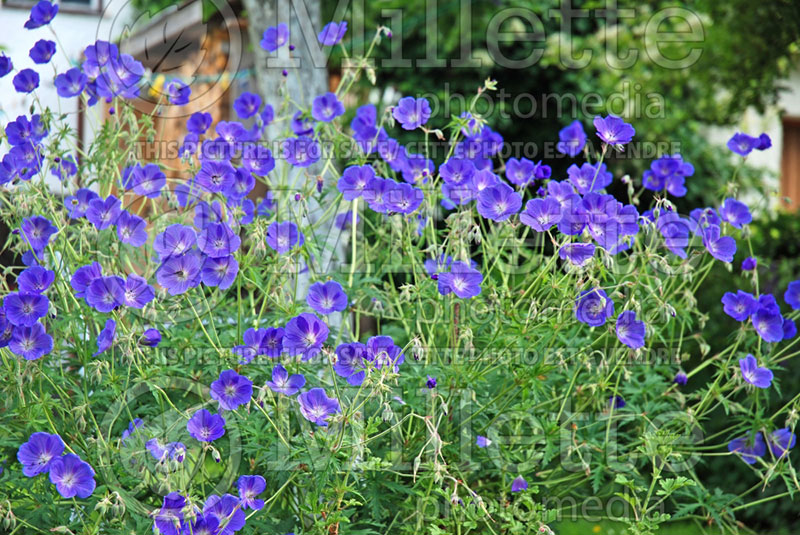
(74,31)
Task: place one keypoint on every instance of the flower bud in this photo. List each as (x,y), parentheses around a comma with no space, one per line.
(9,521)
(215,454)
(387,413)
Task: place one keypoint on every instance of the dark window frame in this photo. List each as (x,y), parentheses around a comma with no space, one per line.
(790,162)
(92,7)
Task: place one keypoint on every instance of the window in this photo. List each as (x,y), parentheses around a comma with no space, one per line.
(67,6)
(790,162)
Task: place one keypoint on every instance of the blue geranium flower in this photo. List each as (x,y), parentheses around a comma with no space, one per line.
(103,213)
(616,402)
(25,309)
(42,51)
(24,131)
(206,427)
(417,168)
(176,240)
(327,107)
(412,112)
(742,144)
(462,279)
(519,171)
(630,331)
(6,65)
(721,247)
(104,294)
(301,151)
(499,202)
(35,279)
(541,214)
(735,212)
(217,240)
(256,159)
(106,337)
(789,329)
(30,342)
(250,487)
(215,176)
(220,271)
(83,278)
(768,324)
(754,374)
(403,198)
(137,292)
(588,177)
(72,476)
(781,441)
(70,83)
(275,37)
(180,273)
(519,484)
(317,407)
(327,297)
(283,237)
(750,448)
(173,450)
(304,335)
(178,93)
(41,14)
(792,295)
(199,122)
(283,383)
(593,307)
(65,167)
(131,229)
(332,33)
(572,139)
(668,173)
(351,362)
(150,338)
(577,253)
(740,305)
(37,231)
(228,509)
(354,179)
(38,453)
(613,130)
(247,105)
(231,390)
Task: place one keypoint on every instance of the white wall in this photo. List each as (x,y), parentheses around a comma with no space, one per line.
(75,31)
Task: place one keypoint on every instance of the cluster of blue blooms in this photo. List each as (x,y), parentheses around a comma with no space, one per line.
(764,312)
(44,453)
(220,515)
(25,158)
(22,312)
(587,218)
(752,447)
